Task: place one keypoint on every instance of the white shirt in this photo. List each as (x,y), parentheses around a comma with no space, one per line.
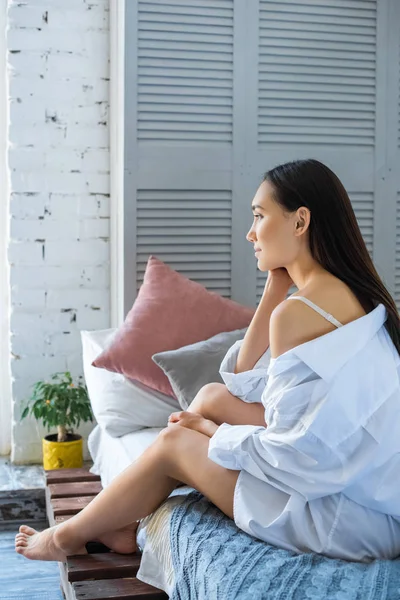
(324,476)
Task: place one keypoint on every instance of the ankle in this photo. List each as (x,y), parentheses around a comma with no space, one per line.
(65,538)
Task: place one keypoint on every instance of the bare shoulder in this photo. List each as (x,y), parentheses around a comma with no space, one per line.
(291,325)
(293,322)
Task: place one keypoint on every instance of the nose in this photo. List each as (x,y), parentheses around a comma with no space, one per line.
(251,236)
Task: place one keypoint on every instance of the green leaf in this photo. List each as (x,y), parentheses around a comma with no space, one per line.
(60,401)
(25,412)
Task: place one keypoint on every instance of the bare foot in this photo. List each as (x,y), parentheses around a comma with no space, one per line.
(47,544)
(43,545)
(123,540)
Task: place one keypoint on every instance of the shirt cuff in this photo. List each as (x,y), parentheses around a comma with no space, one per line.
(225,445)
(247,385)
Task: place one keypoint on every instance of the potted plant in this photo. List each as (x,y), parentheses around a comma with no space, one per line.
(64,405)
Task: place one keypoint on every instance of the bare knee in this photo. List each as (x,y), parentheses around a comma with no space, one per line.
(167,447)
(169,434)
(172,443)
(208,399)
(168,440)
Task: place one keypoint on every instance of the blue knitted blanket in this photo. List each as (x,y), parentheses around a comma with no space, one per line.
(214,560)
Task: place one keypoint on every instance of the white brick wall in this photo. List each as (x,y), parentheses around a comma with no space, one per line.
(58,70)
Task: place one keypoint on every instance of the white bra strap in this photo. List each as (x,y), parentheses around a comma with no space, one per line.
(319,310)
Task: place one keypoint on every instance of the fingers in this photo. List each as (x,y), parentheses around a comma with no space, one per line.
(176,416)
(174,419)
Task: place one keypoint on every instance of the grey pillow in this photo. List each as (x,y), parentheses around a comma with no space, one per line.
(191,367)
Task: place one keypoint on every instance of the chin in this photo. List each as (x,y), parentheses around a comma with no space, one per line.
(261,266)
(265,265)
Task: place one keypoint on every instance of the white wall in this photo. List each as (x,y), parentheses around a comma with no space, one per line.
(58,55)
(5,374)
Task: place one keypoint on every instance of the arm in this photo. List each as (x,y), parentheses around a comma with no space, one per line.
(256,339)
(290,451)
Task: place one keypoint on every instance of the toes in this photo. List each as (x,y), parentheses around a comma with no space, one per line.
(26,529)
(21,542)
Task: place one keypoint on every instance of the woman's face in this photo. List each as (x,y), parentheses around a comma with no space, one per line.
(272,231)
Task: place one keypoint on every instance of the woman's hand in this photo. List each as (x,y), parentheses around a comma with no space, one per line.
(278,280)
(193,421)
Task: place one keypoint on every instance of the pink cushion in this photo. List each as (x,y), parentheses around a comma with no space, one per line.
(169,312)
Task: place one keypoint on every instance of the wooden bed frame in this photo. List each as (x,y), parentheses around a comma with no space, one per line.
(98,575)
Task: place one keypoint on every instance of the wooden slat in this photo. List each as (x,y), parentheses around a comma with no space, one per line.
(123,589)
(75,488)
(66,587)
(69,506)
(62,519)
(96,576)
(49,508)
(102,566)
(69,475)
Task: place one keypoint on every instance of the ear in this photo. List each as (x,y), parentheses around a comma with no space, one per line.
(302,220)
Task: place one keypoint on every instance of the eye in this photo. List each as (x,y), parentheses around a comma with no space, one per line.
(260,216)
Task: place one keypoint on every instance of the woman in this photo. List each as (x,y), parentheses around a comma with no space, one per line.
(301,446)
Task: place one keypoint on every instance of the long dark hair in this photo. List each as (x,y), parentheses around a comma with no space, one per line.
(335,238)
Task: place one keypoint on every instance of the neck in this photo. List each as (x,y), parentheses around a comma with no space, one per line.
(303,271)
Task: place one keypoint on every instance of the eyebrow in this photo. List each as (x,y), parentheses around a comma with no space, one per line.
(254,206)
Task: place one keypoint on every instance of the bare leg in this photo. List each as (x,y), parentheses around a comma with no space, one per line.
(216,403)
(178,454)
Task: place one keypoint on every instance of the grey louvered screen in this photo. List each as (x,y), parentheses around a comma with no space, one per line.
(185,71)
(317,94)
(261,279)
(397,276)
(219,92)
(317,72)
(363,206)
(179,115)
(396,162)
(190,230)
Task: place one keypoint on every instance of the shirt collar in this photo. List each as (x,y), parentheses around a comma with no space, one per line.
(328,353)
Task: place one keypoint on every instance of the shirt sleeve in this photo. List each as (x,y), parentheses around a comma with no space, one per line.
(289,460)
(286,454)
(248,385)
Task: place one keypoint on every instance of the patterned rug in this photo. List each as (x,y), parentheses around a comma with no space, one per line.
(23,579)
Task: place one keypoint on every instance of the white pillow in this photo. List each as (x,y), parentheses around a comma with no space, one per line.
(119,405)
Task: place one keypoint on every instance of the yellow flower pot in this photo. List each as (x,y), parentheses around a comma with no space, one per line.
(62,455)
